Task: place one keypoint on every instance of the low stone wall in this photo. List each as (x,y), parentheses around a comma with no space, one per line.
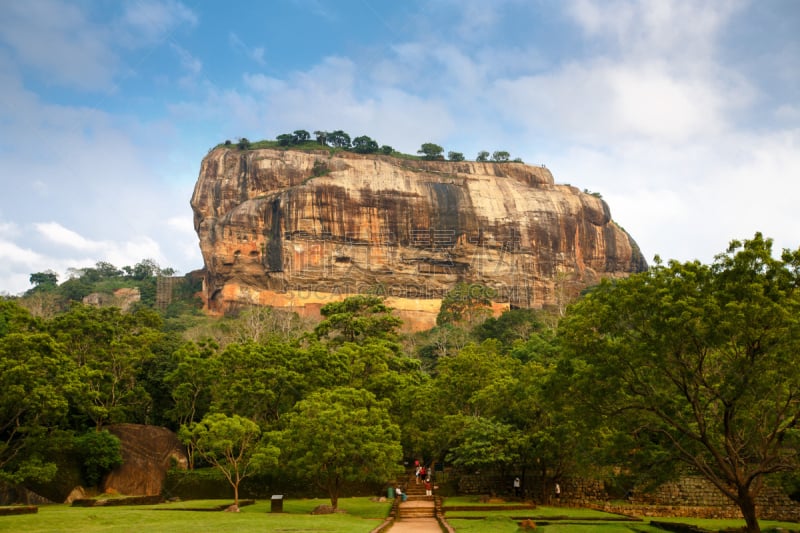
(692,496)
(699,493)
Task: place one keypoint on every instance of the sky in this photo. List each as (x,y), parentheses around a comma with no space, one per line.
(683,115)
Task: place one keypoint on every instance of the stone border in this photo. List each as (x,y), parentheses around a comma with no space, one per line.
(18,509)
(129,500)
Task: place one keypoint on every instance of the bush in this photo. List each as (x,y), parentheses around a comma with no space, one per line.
(100,452)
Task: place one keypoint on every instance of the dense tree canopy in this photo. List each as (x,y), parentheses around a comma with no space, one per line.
(685,368)
(37,381)
(697,364)
(340,435)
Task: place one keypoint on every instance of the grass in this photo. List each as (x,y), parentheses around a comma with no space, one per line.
(507,525)
(574,520)
(538,512)
(360,515)
(717,524)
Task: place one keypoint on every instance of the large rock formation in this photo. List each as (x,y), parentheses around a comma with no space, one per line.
(148,452)
(297,229)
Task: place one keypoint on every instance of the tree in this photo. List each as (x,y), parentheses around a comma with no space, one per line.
(14,318)
(321,137)
(467,303)
(511,326)
(364,145)
(356,318)
(109,348)
(431,151)
(455,156)
(486,443)
(255,380)
(144,269)
(243,144)
(341,435)
(501,156)
(386,149)
(100,451)
(36,382)
(696,364)
(44,280)
(233,445)
(285,139)
(339,139)
(190,382)
(300,136)
(483,156)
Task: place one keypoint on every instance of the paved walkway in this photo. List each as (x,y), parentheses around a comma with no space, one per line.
(416,525)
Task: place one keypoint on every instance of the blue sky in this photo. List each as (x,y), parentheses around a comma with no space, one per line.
(684,115)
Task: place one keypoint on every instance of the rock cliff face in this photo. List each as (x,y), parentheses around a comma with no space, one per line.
(298,229)
(148,452)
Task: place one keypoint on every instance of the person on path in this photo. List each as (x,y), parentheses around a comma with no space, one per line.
(516,487)
(428,487)
(558,491)
(417,472)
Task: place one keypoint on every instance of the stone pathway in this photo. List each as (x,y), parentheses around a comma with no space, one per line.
(417,524)
(416,514)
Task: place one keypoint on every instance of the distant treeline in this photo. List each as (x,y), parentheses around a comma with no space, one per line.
(364,144)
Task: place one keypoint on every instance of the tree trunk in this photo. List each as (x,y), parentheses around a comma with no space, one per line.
(748,507)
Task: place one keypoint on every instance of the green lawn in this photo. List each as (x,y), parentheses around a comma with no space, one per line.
(728,523)
(360,516)
(507,525)
(540,512)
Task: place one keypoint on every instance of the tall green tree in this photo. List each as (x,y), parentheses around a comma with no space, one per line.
(37,381)
(233,445)
(256,381)
(341,435)
(191,382)
(698,365)
(110,348)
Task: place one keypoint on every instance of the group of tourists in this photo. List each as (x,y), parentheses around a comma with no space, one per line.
(423,474)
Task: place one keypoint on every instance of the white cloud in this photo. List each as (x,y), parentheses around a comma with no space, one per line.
(678,29)
(58,234)
(147,22)
(61,43)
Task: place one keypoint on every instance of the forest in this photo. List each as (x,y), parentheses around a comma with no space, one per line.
(685,368)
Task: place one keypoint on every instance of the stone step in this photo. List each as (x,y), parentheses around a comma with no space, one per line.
(406,514)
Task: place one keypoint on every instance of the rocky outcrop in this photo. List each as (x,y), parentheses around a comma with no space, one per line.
(297,229)
(148,452)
